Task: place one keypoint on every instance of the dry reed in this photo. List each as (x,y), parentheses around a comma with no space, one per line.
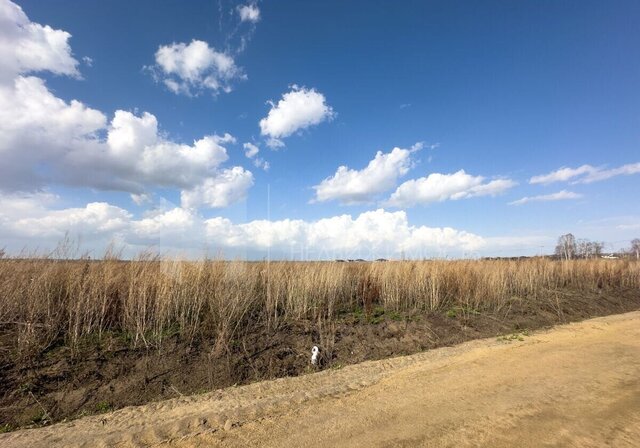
(148,299)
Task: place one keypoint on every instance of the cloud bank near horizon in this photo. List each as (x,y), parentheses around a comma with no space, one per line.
(371,234)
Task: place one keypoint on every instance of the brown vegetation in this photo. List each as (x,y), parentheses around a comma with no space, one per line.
(149,298)
(132,331)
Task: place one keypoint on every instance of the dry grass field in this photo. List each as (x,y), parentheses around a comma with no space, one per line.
(119,332)
(150,298)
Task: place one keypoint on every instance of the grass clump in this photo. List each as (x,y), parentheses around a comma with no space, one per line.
(103,406)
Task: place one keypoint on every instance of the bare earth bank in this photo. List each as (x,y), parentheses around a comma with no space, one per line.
(574,385)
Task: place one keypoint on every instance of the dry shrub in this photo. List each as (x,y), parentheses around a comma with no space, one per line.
(147,299)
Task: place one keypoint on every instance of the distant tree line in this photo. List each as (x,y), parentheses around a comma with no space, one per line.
(569,248)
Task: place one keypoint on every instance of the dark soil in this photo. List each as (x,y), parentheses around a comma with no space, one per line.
(103,376)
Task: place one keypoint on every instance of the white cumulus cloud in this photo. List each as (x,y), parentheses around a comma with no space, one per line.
(134,144)
(249,13)
(169,223)
(351,186)
(250,150)
(27,47)
(192,68)
(370,234)
(298,109)
(438,187)
(227,187)
(30,216)
(559,196)
(33,218)
(44,139)
(38,129)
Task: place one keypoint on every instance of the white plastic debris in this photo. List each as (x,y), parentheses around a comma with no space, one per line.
(315,352)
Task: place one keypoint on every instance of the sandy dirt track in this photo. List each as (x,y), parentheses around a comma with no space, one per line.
(576,385)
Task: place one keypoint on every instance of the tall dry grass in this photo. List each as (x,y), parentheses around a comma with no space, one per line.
(43,301)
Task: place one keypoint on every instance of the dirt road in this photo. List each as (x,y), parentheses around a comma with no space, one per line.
(576,385)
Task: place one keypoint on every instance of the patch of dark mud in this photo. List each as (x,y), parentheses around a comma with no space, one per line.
(104,376)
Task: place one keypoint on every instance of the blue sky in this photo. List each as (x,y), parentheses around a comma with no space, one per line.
(506,91)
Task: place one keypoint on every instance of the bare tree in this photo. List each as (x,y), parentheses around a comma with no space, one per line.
(598,247)
(589,249)
(566,247)
(635,247)
(582,248)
